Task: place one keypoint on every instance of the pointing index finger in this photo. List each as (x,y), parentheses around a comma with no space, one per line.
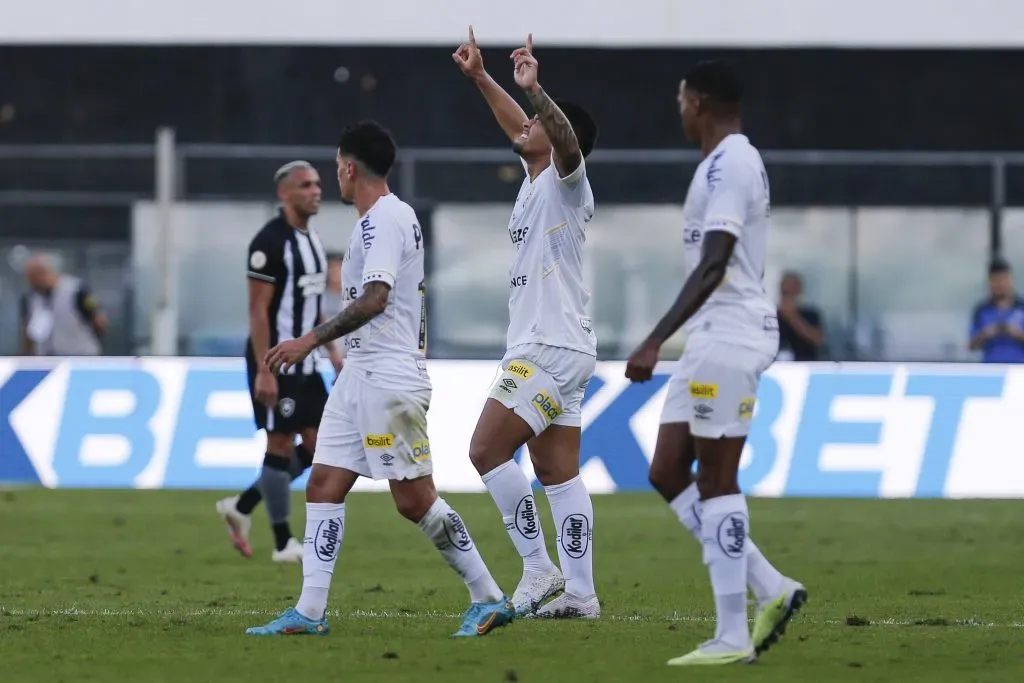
(472,38)
(529,43)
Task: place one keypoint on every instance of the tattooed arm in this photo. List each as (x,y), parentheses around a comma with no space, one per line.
(365,308)
(567,149)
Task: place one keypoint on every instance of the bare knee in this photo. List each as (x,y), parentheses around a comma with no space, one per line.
(485,457)
(555,453)
(413,499)
(718,474)
(281,445)
(328,484)
(669,482)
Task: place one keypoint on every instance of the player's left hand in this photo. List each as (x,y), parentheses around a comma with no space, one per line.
(525,65)
(640,366)
(288,353)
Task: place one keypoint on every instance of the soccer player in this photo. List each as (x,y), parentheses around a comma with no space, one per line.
(375,422)
(551,347)
(733,338)
(287,276)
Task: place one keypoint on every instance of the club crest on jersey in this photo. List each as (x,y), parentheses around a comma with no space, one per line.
(703,390)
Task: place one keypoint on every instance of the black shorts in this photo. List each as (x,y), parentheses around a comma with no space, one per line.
(300,402)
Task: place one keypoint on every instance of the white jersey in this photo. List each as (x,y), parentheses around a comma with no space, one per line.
(548,302)
(387,246)
(730,192)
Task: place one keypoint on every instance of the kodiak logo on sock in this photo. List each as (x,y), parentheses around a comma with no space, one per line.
(456,532)
(526,517)
(576,535)
(732,535)
(328,539)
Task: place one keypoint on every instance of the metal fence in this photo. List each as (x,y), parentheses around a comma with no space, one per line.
(86,179)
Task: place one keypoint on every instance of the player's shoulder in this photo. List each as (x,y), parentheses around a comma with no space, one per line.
(275,230)
(392,208)
(734,160)
(737,150)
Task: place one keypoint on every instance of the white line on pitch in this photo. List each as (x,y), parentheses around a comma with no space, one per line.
(432,614)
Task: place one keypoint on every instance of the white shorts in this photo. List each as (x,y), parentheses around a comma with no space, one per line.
(374,432)
(544,384)
(714,386)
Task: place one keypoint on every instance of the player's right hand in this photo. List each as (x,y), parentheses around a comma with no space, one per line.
(468,57)
(640,366)
(266,388)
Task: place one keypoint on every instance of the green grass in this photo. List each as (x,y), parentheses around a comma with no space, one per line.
(142,586)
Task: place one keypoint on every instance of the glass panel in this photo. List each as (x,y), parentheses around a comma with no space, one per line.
(920,272)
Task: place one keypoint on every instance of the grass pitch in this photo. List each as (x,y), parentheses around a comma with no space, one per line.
(113,586)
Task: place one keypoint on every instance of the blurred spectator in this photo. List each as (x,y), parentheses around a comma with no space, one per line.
(801,334)
(59,315)
(997,327)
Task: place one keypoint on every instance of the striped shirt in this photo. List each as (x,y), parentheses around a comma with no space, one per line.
(294,262)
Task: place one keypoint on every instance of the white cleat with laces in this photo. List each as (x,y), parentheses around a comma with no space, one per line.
(567,606)
(536,587)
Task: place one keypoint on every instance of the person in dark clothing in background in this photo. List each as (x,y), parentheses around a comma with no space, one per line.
(997,326)
(801,331)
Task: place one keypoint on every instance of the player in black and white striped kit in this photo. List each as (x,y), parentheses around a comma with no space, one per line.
(287,274)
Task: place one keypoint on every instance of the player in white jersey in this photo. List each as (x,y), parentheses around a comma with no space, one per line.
(551,346)
(732,338)
(375,421)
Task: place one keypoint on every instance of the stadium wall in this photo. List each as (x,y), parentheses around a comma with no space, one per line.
(822,430)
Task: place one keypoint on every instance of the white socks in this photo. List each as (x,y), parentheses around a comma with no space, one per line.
(764,580)
(574,515)
(511,492)
(325,529)
(724,529)
(446,530)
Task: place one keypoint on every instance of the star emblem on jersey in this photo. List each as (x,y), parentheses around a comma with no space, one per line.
(257,260)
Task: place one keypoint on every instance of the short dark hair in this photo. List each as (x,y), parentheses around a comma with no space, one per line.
(370,143)
(715,79)
(583,125)
(998,265)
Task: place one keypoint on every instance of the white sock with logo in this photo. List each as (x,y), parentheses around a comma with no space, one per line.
(511,492)
(724,528)
(765,581)
(574,523)
(325,531)
(450,536)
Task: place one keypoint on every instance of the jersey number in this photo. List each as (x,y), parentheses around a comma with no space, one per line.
(423,317)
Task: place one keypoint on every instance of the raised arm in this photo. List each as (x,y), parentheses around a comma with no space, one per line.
(568,156)
(509,114)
